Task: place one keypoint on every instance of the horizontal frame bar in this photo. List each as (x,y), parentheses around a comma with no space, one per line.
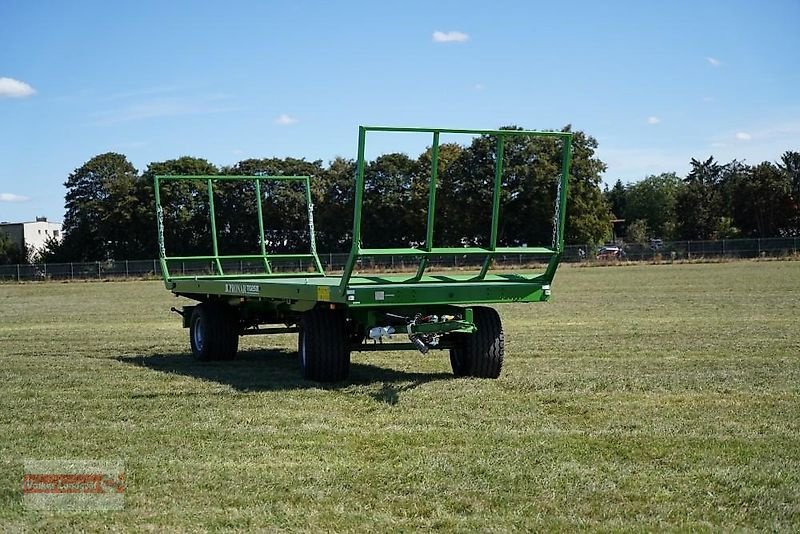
(528,133)
(245,257)
(227,178)
(454,251)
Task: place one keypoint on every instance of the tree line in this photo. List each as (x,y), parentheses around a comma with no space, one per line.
(714,201)
(110,205)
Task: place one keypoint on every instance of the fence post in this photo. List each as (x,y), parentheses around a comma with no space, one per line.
(723,248)
(98,270)
(71,271)
(18,278)
(126,269)
(759,247)
(689,250)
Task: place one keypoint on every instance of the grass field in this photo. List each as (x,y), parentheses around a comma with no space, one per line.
(641,397)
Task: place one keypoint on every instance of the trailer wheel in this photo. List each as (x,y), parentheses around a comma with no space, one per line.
(480,354)
(214,332)
(457,362)
(323,346)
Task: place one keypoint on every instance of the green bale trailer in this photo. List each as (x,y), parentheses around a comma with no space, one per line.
(337,314)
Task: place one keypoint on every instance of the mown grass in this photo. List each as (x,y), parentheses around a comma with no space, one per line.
(641,397)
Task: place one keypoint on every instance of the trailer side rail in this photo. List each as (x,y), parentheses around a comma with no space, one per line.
(553,252)
(215,259)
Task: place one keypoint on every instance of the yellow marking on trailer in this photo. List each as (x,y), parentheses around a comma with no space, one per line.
(324,293)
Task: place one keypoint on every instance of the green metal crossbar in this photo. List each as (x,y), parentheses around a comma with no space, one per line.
(216,259)
(554,252)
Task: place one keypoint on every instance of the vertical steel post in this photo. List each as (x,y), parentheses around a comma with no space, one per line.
(563,193)
(213,217)
(498,181)
(566,161)
(432,191)
(423,263)
(267,266)
(357,204)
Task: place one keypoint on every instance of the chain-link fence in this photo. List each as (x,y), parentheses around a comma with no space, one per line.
(653,251)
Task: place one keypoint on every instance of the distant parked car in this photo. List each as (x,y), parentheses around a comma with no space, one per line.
(610,252)
(656,244)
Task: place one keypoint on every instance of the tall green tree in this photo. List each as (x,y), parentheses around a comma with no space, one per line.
(187,230)
(390,182)
(100,204)
(760,200)
(284,206)
(616,197)
(790,167)
(443,227)
(532,169)
(652,200)
(588,214)
(10,252)
(698,205)
(334,194)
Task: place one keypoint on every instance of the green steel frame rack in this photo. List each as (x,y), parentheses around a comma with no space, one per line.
(364,302)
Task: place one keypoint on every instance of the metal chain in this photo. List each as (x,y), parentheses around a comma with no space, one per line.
(557,214)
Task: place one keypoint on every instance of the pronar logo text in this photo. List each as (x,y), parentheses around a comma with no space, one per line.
(241,289)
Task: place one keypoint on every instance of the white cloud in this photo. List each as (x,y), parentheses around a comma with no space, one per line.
(653,120)
(285,120)
(11,197)
(743,136)
(714,62)
(479,87)
(11,88)
(449,37)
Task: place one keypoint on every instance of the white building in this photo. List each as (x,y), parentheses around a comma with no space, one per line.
(33,234)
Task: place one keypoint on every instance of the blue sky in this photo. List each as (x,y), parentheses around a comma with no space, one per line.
(655,83)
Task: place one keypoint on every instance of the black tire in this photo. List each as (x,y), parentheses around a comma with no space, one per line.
(214,332)
(457,361)
(480,354)
(323,346)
